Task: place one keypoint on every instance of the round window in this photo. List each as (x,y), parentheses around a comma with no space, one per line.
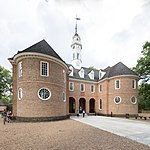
(44,94)
(117,100)
(133,100)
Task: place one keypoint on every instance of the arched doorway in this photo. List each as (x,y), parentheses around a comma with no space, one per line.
(71,105)
(82,103)
(92,105)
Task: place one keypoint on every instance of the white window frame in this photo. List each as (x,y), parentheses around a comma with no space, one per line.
(100,88)
(20,93)
(135,100)
(100,104)
(134,84)
(20,69)
(93,88)
(47,69)
(64,96)
(71,73)
(43,98)
(81,73)
(115,101)
(72,86)
(116,84)
(83,87)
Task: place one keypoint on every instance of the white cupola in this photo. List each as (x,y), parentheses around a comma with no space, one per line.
(76,49)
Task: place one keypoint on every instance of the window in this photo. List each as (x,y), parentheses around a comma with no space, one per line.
(117,85)
(20,69)
(44,68)
(82,88)
(71,71)
(100,87)
(134,84)
(20,95)
(92,88)
(81,73)
(133,100)
(64,73)
(100,74)
(44,94)
(117,100)
(71,86)
(64,96)
(73,55)
(77,55)
(100,104)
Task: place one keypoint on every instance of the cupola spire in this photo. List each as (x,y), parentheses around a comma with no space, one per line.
(76,27)
(76,48)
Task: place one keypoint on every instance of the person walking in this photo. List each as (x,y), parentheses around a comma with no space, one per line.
(83,113)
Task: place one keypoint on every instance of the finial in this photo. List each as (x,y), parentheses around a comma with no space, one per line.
(76,23)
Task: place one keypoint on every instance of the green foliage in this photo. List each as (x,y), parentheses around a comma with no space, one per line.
(5,85)
(143,69)
(144,96)
(92,68)
(143,64)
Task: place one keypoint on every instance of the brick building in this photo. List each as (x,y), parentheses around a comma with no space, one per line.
(46,88)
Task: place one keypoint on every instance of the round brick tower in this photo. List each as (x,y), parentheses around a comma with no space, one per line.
(39,84)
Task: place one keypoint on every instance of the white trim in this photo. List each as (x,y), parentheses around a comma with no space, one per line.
(100,85)
(93,82)
(123,76)
(117,88)
(39,55)
(135,100)
(46,98)
(115,101)
(134,84)
(47,68)
(93,88)
(72,86)
(83,87)
(20,69)
(64,96)
(20,95)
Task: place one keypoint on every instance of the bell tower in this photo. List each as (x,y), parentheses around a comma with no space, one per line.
(76,49)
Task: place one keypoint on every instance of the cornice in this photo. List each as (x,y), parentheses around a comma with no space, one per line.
(21,56)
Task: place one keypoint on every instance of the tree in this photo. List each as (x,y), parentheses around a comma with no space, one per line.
(143,69)
(143,64)
(92,68)
(5,85)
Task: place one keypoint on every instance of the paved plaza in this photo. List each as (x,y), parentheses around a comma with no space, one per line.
(133,129)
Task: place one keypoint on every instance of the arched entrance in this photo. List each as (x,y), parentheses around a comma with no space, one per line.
(82,103)
(71,105)
(92,106)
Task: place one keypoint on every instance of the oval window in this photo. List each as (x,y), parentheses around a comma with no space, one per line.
(133,100)
(20,95)
(44,94)
(117,100)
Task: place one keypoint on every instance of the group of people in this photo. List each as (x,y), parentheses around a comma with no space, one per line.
(6,115)
(81,111)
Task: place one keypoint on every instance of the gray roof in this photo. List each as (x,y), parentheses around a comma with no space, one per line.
(116,70)
(42,47)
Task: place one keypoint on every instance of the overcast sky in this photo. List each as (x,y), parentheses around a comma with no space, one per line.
(111,30)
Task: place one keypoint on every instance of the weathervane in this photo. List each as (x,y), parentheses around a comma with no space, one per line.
(77,18)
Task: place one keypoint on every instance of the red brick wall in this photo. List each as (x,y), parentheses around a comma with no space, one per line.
(31,81)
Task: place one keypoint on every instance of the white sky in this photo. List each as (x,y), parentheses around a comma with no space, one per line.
(111,30)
